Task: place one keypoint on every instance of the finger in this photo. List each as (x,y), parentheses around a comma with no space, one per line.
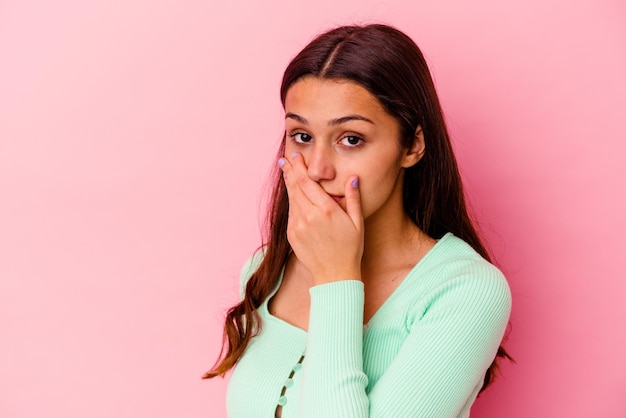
(297,199)
(353,202)
(311,189)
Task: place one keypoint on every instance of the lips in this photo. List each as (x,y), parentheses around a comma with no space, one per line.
(335,197)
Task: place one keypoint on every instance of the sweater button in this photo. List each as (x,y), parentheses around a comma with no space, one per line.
(297,367)
(289,383)
(282,400)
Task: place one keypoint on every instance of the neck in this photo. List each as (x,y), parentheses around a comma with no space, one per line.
(390,242)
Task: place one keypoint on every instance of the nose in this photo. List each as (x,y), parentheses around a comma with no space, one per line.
(320,163)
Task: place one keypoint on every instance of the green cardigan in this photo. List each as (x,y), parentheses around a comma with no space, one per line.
(424,353)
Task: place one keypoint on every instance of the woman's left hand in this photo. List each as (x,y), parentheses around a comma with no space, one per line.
(324,237)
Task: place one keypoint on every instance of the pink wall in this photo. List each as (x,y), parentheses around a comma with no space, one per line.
(135,138)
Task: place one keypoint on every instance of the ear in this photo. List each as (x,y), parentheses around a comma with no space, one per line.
(416,152)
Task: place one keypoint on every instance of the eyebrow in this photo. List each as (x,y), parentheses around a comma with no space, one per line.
(332,122)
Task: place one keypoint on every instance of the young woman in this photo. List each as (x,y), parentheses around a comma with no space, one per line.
(373,295)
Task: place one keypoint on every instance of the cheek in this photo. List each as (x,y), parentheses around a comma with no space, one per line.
(377,187)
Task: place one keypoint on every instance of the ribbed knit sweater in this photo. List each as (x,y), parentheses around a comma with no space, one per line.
(424,353)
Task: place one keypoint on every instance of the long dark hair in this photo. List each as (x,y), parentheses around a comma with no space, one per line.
(391,67)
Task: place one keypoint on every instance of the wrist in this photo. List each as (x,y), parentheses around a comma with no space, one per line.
(338,276)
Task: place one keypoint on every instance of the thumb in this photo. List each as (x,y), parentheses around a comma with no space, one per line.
(353,202)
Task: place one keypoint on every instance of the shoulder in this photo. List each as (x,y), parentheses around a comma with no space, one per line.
(459,259)
(454,258)
(249,267)
(456,275)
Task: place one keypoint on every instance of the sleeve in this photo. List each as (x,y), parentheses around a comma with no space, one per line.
(452,339)
(333,379)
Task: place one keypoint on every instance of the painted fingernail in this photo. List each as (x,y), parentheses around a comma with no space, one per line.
(281,162)
(294,154)
(355,183)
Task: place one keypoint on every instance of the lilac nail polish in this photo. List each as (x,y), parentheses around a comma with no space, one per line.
(293,154)
(355,183)
(281,162)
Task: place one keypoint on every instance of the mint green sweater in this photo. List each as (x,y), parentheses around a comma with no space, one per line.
(424,353)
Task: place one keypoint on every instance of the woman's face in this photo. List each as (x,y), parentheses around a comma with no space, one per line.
(342,130)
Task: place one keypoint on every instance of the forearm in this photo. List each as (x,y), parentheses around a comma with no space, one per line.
(333,379)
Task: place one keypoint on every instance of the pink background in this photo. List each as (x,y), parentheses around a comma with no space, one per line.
(135,140)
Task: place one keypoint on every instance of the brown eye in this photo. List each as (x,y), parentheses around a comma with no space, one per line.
(301,137)
(351,140)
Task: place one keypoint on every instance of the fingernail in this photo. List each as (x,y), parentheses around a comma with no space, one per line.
(293,154)
(355,183)
(281,162)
